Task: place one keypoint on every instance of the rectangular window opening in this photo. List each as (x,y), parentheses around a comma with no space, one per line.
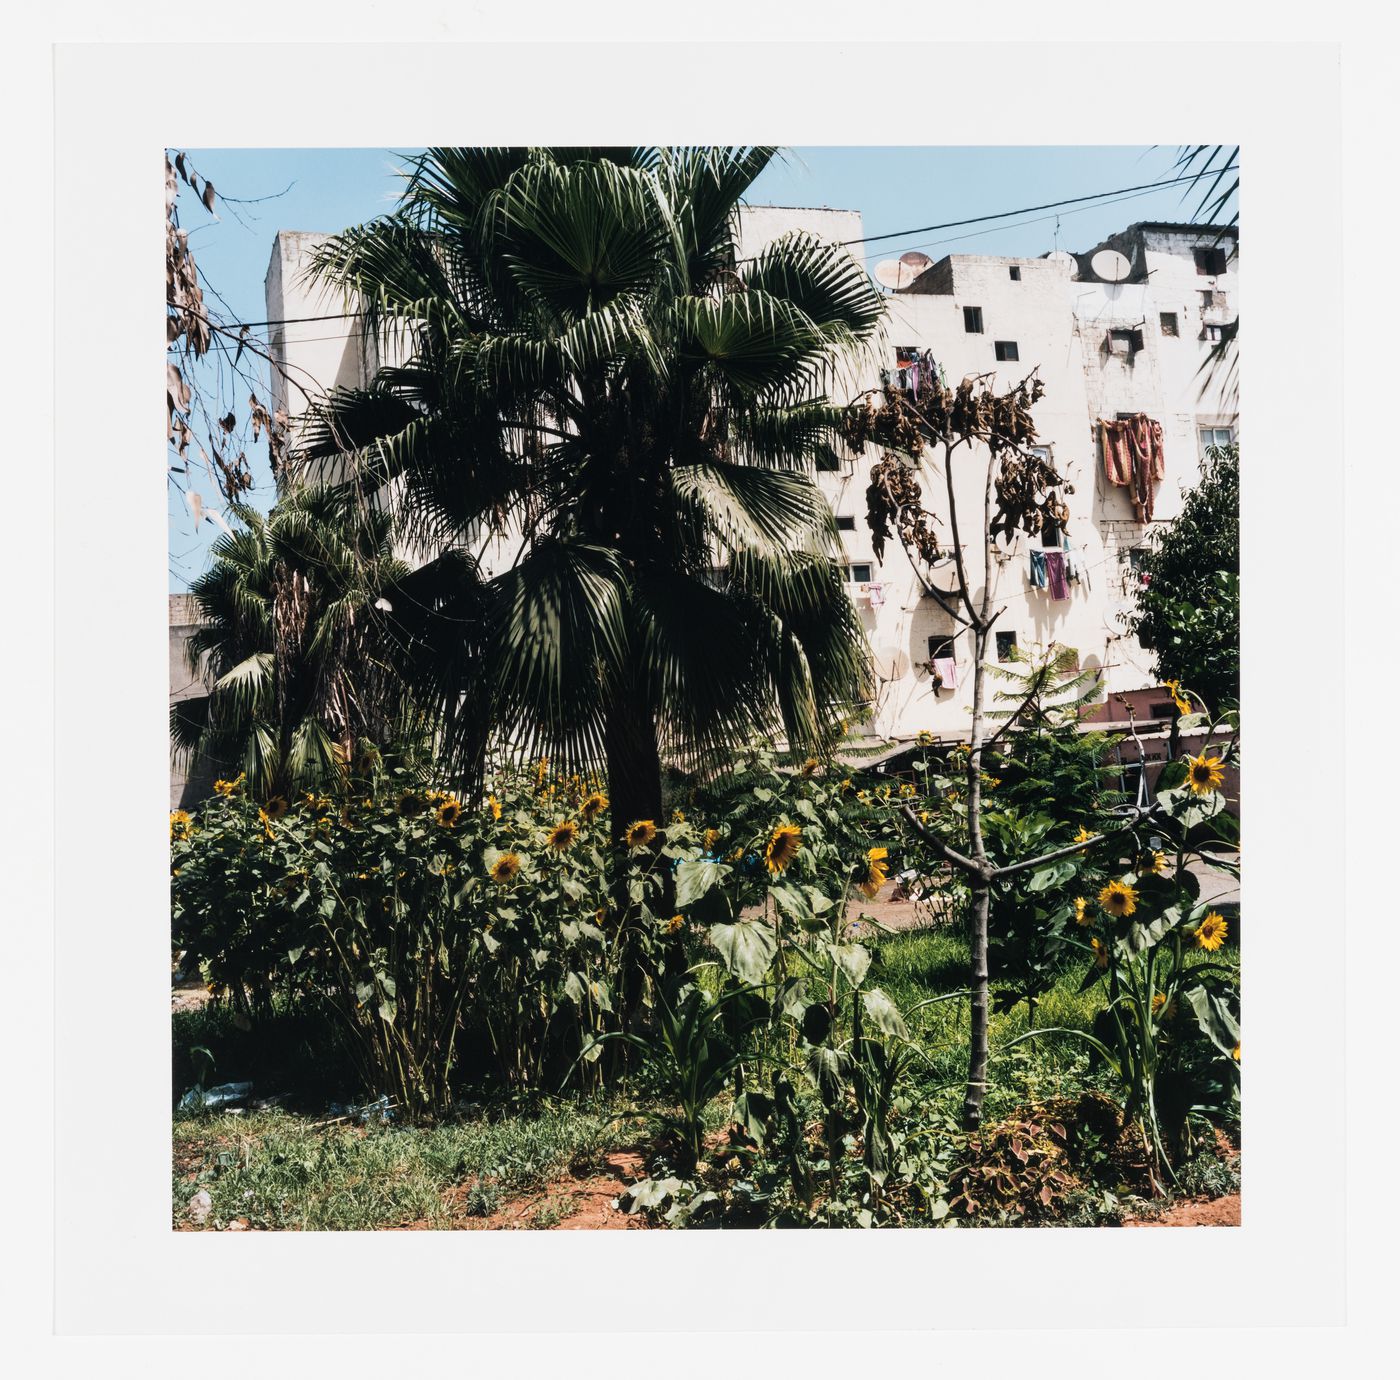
(1006,646)
(845,524)
(1211,331)
(972,320)
(858,574)
(1050,534)
(1210,262)
(1015,273)
(1169,326)
(1007,351)
(1215,436)
(939,646)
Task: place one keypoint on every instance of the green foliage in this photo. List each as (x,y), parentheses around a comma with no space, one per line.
(1017,1171)
(293,645)
(1188,608)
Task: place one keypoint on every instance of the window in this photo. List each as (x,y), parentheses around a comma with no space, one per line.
(1050,534)
(857,574)
(1215,436)
(845,524)
(939,646)
(1169,323)
(1211,331)
(1015,273)
(1006,646)
(1124,342)
(972,320)
(1211,300)
(1161,709)
(1210,261)
(1006,350)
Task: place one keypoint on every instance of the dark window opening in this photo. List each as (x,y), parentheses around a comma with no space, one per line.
(1169,323)
(1006,350)
(1015,273)
(1161,709)
(1211,331)
(939,647)
(1210,261)
(845,524)
(1050,534)
(972,320)
(858,574)
(1006,645)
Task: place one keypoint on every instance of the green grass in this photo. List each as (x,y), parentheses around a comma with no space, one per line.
(292,1174)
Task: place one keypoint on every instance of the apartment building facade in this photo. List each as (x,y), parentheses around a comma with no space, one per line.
(1122,330)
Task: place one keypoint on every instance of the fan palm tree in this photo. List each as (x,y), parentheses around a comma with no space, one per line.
(594,381)
(297,651)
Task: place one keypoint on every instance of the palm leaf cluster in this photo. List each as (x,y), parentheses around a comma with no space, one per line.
(600,438)
(298,658)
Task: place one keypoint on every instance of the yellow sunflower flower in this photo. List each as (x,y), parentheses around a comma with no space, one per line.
(411,803)
(677,816)
(1081,910)
(640,833)
(1173,688)
(449,812)
(494,806)
(1160,1004)
(1211,932)
(227,788)
(1204,774)
(179,824)
(1118,899)
(593,806)
(1235,1053)
(782,847)
(675,924)
(1100,952)
(873,872)
(924,738)
(562,836)
(276,807)
(1083,836)
(505,868)
(907,790)
(809,766)
(711,840)
(1152,862)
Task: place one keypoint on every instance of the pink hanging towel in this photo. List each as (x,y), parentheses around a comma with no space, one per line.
(1055,574)
(946,668)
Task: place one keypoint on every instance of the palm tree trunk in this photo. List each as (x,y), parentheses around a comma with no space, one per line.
(634,763)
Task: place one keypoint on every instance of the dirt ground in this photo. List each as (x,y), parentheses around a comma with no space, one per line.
(1199,1212)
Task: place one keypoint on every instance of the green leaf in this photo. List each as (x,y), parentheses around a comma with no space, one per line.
(853,960)
(1173,775)
(294,954)
(1043,878)
(884,1015)
(747,948)
(1214,1019)
(695,879)
(790,900)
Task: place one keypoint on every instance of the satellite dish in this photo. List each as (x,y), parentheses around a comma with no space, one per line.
(890,663)
(897,274)
(1110,266)
(1063,256)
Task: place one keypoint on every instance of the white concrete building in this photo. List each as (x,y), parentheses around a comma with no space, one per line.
(1105,349)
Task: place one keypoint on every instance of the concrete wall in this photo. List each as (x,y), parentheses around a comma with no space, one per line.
(185,789)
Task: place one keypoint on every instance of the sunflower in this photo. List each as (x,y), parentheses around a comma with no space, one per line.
(1100,952)
(505,868)
(1211,932)
(1118,899)
(711,840)
(266,821)
(562,835)
(449,812)
(179,824)
(276,807)
(1083,836)
(640,833)
(1167,1008)
(1081,910)
(494,806)
(924,738)
(1152,862)
(809,766)
(593,806)
(675,924)
(871,874)
(1173,688)
(541,771)
(907,790)
(782,847)
(677,816)
(1235,1053)
(222,787)
(845,785)
(1204,774)
(411,803)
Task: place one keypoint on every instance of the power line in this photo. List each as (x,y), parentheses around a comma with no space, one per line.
(865,239)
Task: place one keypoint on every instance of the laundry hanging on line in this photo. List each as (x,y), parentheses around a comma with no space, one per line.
(1076,572)
(1055,574)
(946,669)
(1133,458)
(1037,572)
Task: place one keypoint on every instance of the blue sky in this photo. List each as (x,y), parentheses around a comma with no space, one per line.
(894,189)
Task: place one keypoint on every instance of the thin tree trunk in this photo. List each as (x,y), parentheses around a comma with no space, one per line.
(634,764)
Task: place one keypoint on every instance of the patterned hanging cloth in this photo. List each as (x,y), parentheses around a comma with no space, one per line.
(1133,457)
